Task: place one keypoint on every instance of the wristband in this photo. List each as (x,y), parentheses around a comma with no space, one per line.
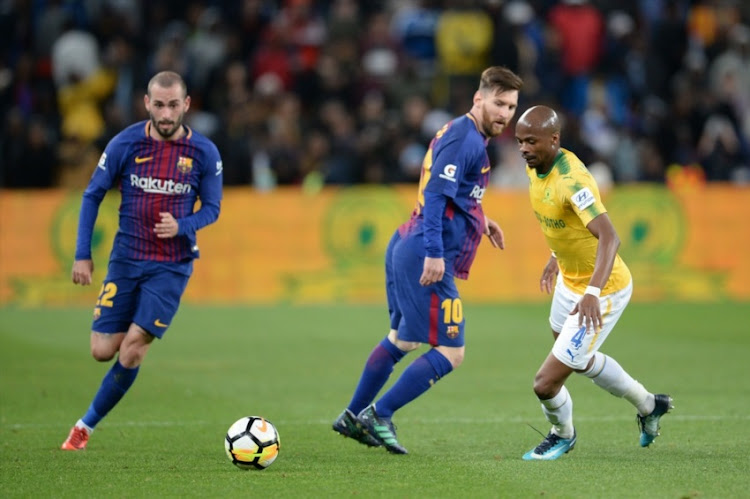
(593,290)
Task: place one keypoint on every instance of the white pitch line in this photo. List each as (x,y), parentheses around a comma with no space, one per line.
(412,420)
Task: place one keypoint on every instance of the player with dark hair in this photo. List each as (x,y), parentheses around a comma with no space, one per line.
(425,254)
(162,168)
(592,285)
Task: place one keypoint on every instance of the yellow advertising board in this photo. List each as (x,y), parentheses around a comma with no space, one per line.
(287,246)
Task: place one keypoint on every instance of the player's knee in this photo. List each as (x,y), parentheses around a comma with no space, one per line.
(454,355)
(102,353)
(544,387)
(134,347)
(404,346)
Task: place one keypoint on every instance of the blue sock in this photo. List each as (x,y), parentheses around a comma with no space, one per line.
(114,385)
(378,368)
(414,381)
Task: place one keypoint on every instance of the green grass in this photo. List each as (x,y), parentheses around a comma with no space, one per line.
(297,366)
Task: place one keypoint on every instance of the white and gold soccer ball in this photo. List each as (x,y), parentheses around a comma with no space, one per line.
(252,442)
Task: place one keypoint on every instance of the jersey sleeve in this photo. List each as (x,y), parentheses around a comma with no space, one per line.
(104,177)
(209,192)
(582,193)
(109,167)
(453,155)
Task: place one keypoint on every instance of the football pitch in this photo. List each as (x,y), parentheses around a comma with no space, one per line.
(298,366)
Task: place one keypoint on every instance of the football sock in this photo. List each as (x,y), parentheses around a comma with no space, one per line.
(378,369)
(114,385)
(607,373)
(416,379)
(559,411)
(83,425)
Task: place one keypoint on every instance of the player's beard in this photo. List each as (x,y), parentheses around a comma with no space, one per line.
(169,132)
(489,126)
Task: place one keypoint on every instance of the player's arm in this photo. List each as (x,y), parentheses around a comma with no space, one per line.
(210,193)
(102,179)
(434,264)
(588,308)
(83,265)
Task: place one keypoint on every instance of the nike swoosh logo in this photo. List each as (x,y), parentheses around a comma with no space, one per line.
(139,160)
(486,169)
(159,323)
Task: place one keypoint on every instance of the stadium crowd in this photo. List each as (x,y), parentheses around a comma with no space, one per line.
(312,92)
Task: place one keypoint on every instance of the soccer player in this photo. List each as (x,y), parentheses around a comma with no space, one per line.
(435,246)
(592,285)
(162,167)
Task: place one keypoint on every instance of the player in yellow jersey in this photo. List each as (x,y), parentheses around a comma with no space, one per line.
(591,283)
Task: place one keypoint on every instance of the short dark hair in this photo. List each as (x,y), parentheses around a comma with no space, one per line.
(499,78)
(166,79)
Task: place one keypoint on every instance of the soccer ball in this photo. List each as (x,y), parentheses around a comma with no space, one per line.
(252,443)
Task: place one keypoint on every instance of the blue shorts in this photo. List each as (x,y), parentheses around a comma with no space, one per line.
(144,292)
(426,314)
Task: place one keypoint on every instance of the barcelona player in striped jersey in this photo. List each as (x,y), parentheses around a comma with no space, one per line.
(425,255)
(162,168)
(591,283)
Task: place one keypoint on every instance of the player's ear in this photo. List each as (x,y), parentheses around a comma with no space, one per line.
(146,101)
(187,102)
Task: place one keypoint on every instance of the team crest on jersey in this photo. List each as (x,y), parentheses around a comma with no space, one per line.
(452,331)
(548,197)
(184,164)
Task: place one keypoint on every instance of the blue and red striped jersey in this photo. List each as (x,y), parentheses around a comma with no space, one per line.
(448,213)
(154,176)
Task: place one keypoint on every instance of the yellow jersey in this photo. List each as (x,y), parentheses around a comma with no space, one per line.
(564,201)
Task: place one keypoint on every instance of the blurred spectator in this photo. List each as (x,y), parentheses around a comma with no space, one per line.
(580,28)
(463,39)
(312,92)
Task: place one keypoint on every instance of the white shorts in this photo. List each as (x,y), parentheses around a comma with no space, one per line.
(576,345)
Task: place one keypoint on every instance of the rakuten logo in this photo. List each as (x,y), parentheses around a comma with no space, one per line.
(158,186)
(477,193)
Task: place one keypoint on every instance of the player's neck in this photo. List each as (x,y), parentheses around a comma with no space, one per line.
(473,118)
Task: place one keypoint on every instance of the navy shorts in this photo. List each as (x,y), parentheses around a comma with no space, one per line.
(144,292)
(426,314)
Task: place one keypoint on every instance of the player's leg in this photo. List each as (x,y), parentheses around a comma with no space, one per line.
(119,378)
(151,304)
(379,365)
(557,406)
(549,382)
(433,315)
(113,314)
(609,375)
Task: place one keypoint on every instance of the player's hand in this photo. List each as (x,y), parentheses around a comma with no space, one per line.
(589,313)
(433,271)
(82,270)
(167,227)
(549,276)
(495,233)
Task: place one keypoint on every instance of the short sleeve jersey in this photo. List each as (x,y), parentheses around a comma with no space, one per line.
(564,201)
